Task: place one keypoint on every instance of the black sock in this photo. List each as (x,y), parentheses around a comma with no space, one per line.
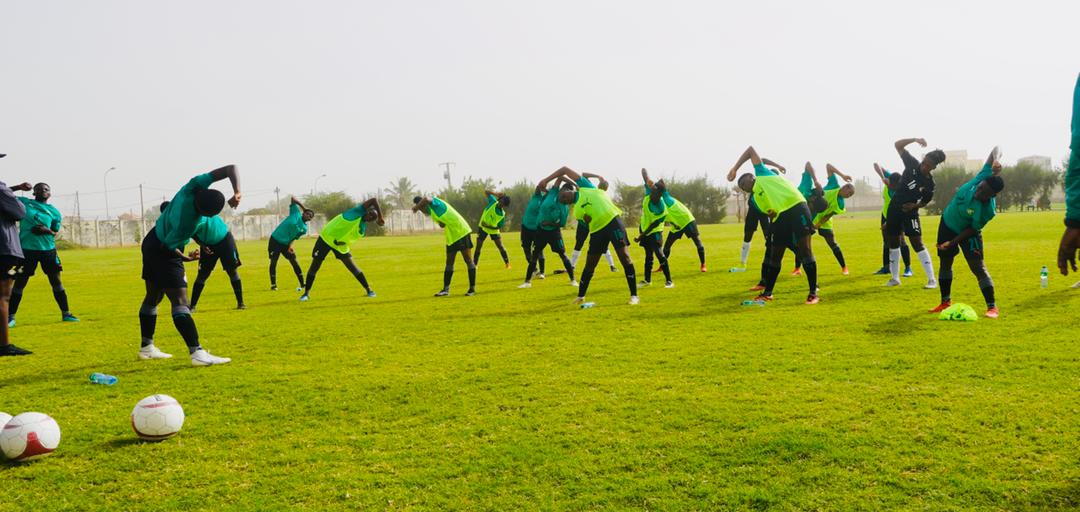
(13,302)
(313,270)
(986,285)
(665,268)
(196,292)
(566,265)
(472,277)
(147,324)
(185,325)
(631,278)
(505,257)
(61,299)
(299,273)
(648,266)
(447,276)
(839,254)
(273,272)
(945,277)
(810,267)
(771,274)
(583,285)
(238,290)
(542,262)
(884,255)
(701,252)
(359,275)
(906,254)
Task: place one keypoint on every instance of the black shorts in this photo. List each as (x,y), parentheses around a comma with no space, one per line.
(528,237)
(550,238)
(614,233)
(464,243)
(484,234)
(791,225)
(754,217)
(10,267)
(689,230)
(224,251)
(972,247)
(581,234)
(652,241)
(275,249)
(323,249)
(49,261)
(161,267)
(899,222)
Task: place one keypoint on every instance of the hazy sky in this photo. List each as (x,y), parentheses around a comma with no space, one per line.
(367,91)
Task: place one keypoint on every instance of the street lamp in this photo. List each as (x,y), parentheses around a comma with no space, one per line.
(315,187)
(105,181)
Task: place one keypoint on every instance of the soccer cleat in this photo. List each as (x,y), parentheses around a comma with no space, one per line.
(152,352)
(907,272)
(844,271)
(525,285)
(634,300)
(541,276)
(613,269)
(882,271)
(645,283)
(941,307)
(508,265)
(763,298)
(299,288)
(703,269)
(669,284)
(273,287)
(68,317)
(11,322)
(560,271)
(241,307)
(574,284)
(304,298)
(931,284)
(470,293)
(371,294)
(443,293)
(892,282)
(203,358)
(579,300)
(992,312)
(12,350)
(812,299)
(796,272)
(757,287)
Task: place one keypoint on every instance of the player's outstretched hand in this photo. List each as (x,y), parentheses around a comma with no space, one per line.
(192,256)
(24,186)
(921,141)
(1070,243)
(234,201)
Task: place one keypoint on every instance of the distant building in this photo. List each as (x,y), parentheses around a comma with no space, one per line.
(1042,162)
(959,158)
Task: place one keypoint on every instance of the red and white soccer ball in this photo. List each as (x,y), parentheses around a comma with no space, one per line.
(157,417)
(29,435)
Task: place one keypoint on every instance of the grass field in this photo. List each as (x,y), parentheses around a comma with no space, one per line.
(514,399)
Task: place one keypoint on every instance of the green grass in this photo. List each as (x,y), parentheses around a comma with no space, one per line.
(514,399)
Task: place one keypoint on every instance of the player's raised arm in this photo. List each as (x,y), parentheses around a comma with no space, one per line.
(881,174)
(373,205)
(230,172)
(601,182)
(294,200)
(564,172)
(778,167)
(645,178)
(902,144)
(421,204)
(833,170)
(751,155)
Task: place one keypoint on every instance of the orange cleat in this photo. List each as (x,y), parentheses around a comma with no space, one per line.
(992,312)
(703,269)
(941,307)
(507,266)
(812,299)
(758,288)
(844,271)
(796,272)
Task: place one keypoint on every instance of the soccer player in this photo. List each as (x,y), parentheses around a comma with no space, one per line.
(336,237)
(754,218)
(216,243)
(683,224)
(1070,240)
(890,181)
(530,224)
(915,191)
(593,207)
(37,235)
(792,223)
(281,240)
(831,202)
(458,239)
(163,261)
(581,234)
(491,221)
(552,218)
(654,212)
(11,259)
(961,227)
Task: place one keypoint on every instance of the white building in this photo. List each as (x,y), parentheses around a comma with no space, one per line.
(959,158)
(1042,162)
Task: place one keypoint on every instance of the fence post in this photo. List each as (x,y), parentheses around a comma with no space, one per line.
(97,234)
(120,223)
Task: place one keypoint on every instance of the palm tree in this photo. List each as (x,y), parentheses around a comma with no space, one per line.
(400,193)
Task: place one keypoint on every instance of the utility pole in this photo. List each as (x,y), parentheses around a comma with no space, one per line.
(105,181)
(142,210)
(277,193)
(446,173)
(78,207)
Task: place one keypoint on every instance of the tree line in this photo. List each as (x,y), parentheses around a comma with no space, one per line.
(1025,184)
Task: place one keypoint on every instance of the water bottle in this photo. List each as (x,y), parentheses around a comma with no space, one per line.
(101,378)
(753,303)
(1044,277)
(737,269)
(587,305)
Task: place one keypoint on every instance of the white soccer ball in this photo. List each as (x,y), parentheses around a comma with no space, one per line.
(4,418)
(157,417)
(29,435)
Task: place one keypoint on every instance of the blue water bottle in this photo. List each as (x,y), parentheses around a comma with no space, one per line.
(587,305)
(101,378)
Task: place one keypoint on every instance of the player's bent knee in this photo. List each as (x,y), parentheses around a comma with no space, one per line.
(148,310)
(181,310)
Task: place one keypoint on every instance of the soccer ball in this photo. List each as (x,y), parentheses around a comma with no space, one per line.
(29,435)
(157,417)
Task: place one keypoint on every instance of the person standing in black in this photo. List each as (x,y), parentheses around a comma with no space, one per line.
(11,259)
(915,191)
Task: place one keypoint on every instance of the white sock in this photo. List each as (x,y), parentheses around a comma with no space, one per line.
(610,260)
(574,257)
(744,253)
(894,263)
(927,265)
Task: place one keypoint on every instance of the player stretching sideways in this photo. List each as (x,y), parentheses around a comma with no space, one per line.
(552,219)
(1070,240)
(792,224)
(915,192)
(593,206)
(890,182)
(682,223)
(337,236)
(216,243)
(654,213)
(163,261)
(491,221)
(11,259)
(961,228)
(530,225)
(832,203)
(755,217)
(281,241)
(581,234)
(458,239)
(37,235)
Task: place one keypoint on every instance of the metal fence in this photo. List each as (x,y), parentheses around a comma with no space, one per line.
(125,232)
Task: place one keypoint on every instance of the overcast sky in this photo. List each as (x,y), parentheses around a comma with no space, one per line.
(367,91)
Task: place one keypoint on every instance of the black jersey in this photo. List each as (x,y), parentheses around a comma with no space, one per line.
(915,186)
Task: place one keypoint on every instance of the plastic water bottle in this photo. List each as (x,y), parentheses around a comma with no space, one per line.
(737,269)
(1044,277)
(587,305)
(101,378)
(753,303)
